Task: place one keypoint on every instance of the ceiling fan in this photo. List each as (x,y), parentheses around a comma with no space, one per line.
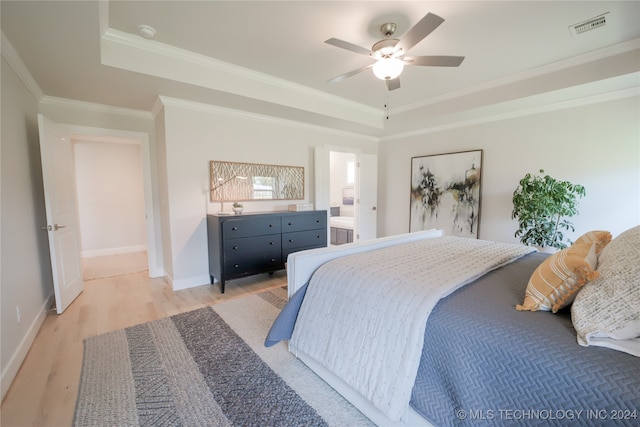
(390,53)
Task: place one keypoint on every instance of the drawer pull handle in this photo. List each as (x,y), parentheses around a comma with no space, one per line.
(234,228)
(235,248)
(236,266)
(290,240)
(271,243)
(270,225)
(290,224)
(273,260)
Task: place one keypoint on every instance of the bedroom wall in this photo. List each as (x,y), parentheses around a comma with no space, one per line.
(194,134)
(596,145)
(25,267)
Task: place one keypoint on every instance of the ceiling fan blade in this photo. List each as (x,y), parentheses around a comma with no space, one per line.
(435,61)
(348,46)
(393,84)
(418,32)
(344,76)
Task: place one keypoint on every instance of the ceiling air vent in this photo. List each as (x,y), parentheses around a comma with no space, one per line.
(588,25)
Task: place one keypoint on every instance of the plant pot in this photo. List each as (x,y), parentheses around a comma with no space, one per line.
(546,249)
(238,211)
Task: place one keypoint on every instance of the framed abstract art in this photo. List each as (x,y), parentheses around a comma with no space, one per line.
(445,193)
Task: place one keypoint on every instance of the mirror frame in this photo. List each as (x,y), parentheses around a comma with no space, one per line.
(236,181)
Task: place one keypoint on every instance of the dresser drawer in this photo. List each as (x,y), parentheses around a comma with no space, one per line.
(303,239)
(235,228)
(250,246)
(257,263)
(311,221)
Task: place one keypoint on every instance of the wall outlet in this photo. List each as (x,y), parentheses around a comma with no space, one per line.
(18,313)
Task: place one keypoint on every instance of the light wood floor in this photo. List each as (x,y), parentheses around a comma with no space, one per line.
(45,389)
(114,265)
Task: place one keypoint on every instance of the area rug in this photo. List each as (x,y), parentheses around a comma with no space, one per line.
(207,367)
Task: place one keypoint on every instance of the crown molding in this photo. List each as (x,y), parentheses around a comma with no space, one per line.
(515,111)
(536,72)
(97,108)
(165,101)
(14,60)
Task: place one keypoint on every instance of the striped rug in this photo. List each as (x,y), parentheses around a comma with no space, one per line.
(207,367)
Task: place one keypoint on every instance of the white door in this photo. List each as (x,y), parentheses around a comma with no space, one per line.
(60,206)
(322,196)
(367,197)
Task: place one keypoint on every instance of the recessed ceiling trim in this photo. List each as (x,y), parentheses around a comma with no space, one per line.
(520,108)
(122,50)
(165,101)
(536,72)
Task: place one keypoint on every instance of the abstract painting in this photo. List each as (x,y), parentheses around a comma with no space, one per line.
(445,193)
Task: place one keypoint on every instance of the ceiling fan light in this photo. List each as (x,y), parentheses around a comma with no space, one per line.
(388,68)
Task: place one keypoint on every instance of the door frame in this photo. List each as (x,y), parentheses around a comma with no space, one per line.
(322,181)
(96,134)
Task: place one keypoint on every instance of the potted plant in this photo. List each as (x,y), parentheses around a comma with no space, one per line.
(237,207)
(541,205)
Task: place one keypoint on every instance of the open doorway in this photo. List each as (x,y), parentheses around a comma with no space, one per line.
(111,209)
(342,181)
(364,208)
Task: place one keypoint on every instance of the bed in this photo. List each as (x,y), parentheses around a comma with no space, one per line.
(479,360)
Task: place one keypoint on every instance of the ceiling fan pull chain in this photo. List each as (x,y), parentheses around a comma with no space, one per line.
(386,106)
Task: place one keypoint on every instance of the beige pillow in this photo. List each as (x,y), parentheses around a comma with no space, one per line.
(606,312)
(600,238)
(554,283)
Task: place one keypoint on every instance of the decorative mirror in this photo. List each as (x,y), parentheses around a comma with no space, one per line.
(252,181)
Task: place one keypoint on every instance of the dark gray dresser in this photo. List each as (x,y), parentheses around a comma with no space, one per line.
(252,243)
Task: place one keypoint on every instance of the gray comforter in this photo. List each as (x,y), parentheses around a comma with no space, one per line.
(484,363)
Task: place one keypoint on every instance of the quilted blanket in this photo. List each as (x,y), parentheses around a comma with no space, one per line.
(518,368)
(363,316)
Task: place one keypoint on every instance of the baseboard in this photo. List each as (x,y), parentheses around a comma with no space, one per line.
(12,368)
(191,282)
(156,272)
(113,251)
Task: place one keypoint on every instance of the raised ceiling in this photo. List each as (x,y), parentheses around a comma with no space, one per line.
(270,57)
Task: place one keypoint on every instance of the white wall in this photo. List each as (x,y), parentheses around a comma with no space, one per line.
(110,194)
(195,134)
(25,267)
(595,145)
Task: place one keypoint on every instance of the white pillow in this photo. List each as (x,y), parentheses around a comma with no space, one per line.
(606,312)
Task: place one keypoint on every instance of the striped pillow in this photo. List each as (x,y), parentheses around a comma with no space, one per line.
(600,238)
(554,283)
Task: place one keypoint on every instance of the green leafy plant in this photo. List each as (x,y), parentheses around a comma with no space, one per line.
(237,205)
(541,205)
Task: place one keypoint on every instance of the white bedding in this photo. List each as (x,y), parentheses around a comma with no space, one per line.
(364,315)
(341,222)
